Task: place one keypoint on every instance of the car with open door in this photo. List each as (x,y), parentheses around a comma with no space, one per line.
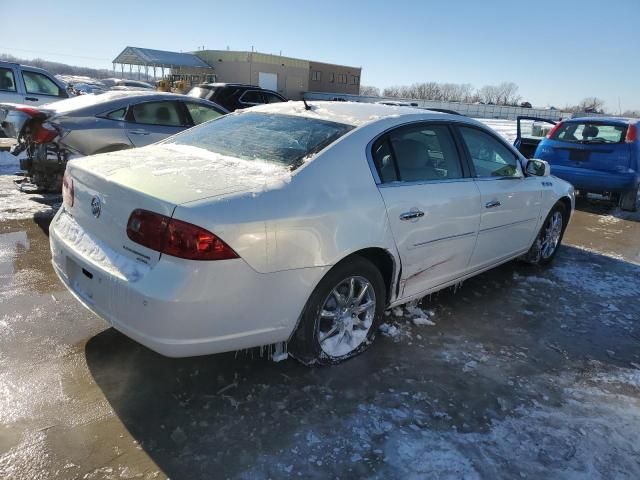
(596,155)
(297,223)
(88,124)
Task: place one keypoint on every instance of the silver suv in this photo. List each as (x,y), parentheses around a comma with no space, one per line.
(29,85)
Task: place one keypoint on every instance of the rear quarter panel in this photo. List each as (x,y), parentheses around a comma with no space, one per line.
(328,209)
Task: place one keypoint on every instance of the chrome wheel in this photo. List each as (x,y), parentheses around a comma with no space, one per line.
(551,235)
(346,316)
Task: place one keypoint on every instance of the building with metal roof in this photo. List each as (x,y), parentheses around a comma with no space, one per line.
(288,76)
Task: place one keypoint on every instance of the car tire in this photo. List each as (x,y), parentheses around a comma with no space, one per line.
(629,200)
(334,306)
(549,238)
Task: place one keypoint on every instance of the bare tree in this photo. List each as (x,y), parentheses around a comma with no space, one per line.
(369,91)
(592,105)
(488,94)
(631,113)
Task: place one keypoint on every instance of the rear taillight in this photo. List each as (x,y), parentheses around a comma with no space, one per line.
(554,130)
(44,133)
(632,134)
(176,238)
(32,112)
(67,189)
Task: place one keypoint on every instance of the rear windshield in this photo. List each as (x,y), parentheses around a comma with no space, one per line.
(590,132)
(283,139)
(198,92)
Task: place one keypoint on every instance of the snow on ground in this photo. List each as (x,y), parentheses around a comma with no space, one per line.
(16,205)
(506,128)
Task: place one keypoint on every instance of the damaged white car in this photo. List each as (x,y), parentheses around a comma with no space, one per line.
(297,223)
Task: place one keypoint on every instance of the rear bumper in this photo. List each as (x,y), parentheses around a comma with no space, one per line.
(596,181)
(182,308)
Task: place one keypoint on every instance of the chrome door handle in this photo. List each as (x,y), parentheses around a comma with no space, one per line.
(492,204)
(411,215)
(139,132)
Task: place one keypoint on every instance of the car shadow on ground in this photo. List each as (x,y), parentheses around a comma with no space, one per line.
(497,342)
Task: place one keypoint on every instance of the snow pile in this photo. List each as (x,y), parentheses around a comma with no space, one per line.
(92,249)
(395,328)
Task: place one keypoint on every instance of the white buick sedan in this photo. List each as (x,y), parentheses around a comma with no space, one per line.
(298,224)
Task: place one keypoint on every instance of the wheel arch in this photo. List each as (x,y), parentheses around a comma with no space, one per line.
(566,203)
(384,261)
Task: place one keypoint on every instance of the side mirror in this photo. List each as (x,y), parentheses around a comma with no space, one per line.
(538,168)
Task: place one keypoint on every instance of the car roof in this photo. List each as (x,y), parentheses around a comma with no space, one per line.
(87,101)
(355,113)
(222,84)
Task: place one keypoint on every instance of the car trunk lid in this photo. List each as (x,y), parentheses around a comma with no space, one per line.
(109,187)
(605,157)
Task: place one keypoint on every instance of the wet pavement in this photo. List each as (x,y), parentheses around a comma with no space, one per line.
(527,373)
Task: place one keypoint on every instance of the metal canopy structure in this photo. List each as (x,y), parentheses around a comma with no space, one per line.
(176,62)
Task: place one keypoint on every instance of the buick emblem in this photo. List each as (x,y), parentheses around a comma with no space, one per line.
(96,207)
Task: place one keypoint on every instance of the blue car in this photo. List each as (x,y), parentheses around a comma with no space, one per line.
(596,155)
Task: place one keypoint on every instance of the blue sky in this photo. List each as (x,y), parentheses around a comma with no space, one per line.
(557,52)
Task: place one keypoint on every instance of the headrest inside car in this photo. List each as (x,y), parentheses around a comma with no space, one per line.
(590,131)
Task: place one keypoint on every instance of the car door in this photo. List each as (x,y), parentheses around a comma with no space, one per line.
(39,88)
(509,201)
(530,132)
(432,204)
(9,87)
(150,122)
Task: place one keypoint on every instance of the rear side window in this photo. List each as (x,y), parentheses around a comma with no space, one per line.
(157,113)
(201,113)
(282,139)
(39,84)
(117,114)
(590,132)
(7,80)
(417,154)
(489,156)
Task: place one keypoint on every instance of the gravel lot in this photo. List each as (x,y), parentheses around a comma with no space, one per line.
(525,373)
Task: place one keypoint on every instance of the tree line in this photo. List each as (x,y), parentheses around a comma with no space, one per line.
(57,68)
(506,93)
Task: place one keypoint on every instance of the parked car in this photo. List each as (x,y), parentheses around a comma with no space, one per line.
(596,155)
(297,223)
(126,84)
(90,124)
(233,96)
(526,105)
(29,85)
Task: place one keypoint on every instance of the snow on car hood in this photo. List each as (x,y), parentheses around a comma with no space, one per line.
(183,173)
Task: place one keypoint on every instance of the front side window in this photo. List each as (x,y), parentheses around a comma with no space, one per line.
(39,84)
(417,154)
(281,139)
(252,97)
(7,80)
(590,132)
(489,156)
(201,113)
(157,113)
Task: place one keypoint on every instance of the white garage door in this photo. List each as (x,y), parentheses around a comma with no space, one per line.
(268,80)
